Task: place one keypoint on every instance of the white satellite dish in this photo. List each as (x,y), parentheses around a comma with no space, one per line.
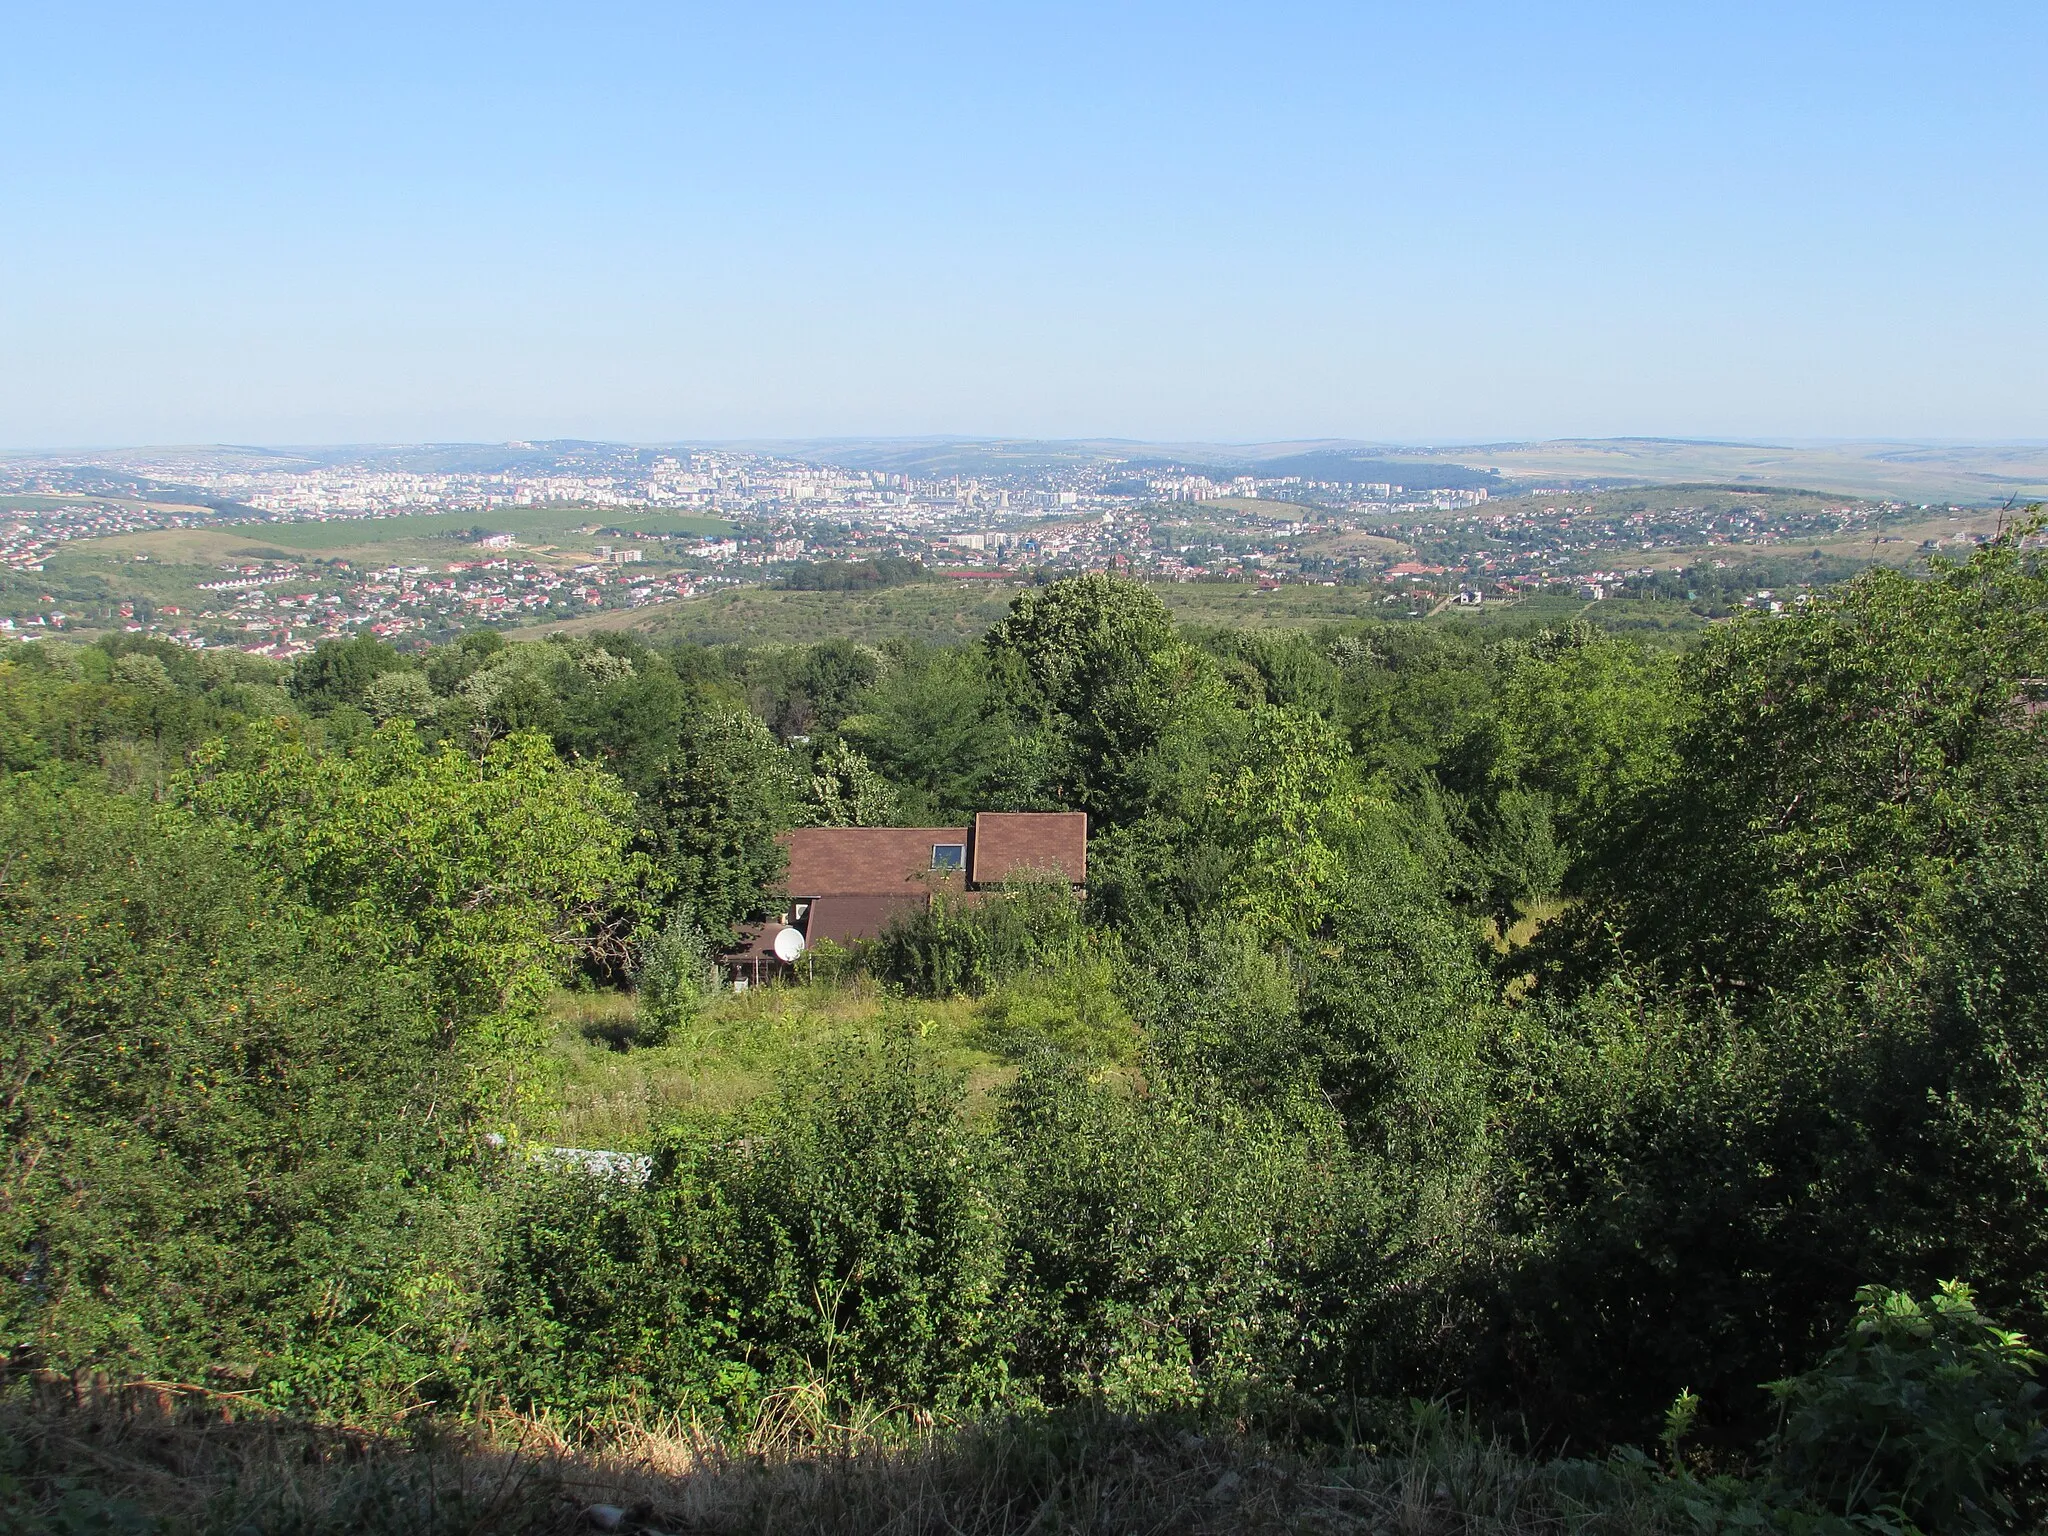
(788,945)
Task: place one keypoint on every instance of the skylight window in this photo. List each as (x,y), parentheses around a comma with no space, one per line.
(949,855)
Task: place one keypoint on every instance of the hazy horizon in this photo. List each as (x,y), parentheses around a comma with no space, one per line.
(1245,443)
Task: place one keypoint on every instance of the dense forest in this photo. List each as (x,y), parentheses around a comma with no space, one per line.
(1632,1058)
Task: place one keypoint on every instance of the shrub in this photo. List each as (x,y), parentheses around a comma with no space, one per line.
(953,945)
(1927,1412)
(832,964)
(842,1233)
(676,973)
(1071,1008)
(1166,1252)
(220,1139)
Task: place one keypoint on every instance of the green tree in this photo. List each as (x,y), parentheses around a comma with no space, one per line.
(341,671)
(1284,814)
(833,675)
(1409,697)
(1829,1067)
(400,696)
(448,665)
(1588,721)
(479,877)
(1080,633)
(845,791)
(1840,773)
(224,1136)
(712,819)
(520,687)
(632,724)
(1284,668)
(936,726)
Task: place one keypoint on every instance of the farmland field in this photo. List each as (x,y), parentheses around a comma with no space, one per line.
(368,536)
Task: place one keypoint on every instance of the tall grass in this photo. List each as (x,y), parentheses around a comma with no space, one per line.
(614,1093)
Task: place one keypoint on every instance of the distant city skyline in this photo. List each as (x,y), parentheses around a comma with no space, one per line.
(1445,225)
(274,552)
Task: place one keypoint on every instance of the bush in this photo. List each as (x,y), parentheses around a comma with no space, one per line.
(1071,1008)
(1642,1179)
(676,973)
(1167,1254)
(954,945)
(221,1141)
(841,1233)
(1925,1421)
(1927,1412)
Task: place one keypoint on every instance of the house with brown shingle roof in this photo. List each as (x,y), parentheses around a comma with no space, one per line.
(846,884)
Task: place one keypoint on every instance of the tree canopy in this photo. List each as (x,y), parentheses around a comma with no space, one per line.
(1528,1018)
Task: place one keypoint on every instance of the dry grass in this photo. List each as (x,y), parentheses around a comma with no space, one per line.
(1530,918)
(1534,914)
(163,1457)
(176,1460)
(1114,1477)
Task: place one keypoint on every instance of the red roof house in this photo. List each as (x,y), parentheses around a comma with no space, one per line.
(849,883)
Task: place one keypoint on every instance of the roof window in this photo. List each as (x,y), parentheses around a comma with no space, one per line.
(949,855)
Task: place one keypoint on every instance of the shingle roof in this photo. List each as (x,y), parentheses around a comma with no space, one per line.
(863,861)
(843,919)
(756,941)
(896,861)
(1008,843)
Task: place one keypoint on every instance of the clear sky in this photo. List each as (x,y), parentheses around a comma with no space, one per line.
(296,222)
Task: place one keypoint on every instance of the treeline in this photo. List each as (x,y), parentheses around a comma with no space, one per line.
(853,575)
(1559,1026)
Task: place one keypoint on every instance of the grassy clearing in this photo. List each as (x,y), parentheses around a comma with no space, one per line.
(614,1094)
(29,502)
(437,536)
(1534,611)
(945,613)
(1354,543)
(199,546)
(333,535)
(1530,919)
(173,1460)
(1288,607)
(950,613)
(1534,915)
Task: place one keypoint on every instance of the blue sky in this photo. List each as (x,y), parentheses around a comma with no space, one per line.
(1431,222)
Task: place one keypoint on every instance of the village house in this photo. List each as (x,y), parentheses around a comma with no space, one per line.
(846,884)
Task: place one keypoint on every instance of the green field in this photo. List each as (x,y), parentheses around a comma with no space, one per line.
(947,613)
(43,503)
(337,534)
(437,536)
(1243,606)
(169,565)
(941,612)
(27,502)
(614,1096)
